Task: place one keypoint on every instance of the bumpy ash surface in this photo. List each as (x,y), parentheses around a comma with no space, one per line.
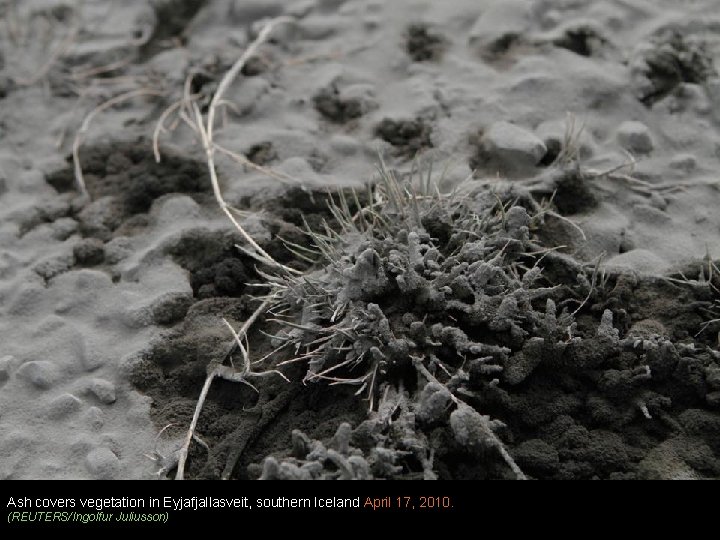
(442,313)
(569,333)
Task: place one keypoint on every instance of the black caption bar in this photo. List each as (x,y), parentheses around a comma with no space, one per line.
(166,504)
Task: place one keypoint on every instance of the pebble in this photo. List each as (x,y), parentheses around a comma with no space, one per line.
(635,137)
(513,146)
(174,209)
(95,418)
(344,145)
(54,266)
(64,228)
(89,252)
(683,162)
(41,373)
(102,463)
(63,406)
(171,308)
(103,390)
(6,365)
(117,249)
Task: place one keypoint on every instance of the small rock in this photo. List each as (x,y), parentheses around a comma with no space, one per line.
(41,373)
(175,209)
(102,463)
(117,249)
(683,162)
(6,366)
(171,308)
(89,252)
(513,147)
(102,216)
(344,145)
(54,266)
(62,406)
(95,418)
(64,228)
(635,136)
(103,390)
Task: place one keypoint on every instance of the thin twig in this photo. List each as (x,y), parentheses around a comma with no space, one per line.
(204,392)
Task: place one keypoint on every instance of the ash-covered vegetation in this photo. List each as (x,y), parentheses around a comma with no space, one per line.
(482,354)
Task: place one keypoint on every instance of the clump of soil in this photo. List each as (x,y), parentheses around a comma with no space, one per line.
(255,65)
(172,19)
(336,108)
(123,180)
(408,136)
(671,60)
(583,40)
(129,171)
(570,191)
(216,266)
(422,44)
(261,153)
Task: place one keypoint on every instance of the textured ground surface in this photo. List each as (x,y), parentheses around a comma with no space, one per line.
(109,310)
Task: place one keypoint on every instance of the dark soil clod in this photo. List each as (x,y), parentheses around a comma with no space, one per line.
(583,40)
(89,252)
(256,65)
(123,180)
(216,266)
(261,153)
(332,106)
(673,60)
(408,136)
(172,18)
(422,44)
(572,193)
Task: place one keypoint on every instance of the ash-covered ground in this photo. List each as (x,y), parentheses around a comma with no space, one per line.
(479,239)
